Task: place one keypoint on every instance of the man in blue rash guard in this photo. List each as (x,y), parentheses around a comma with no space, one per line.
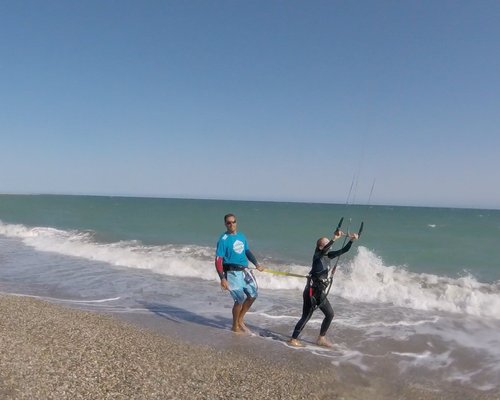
(314,294)
(231,262)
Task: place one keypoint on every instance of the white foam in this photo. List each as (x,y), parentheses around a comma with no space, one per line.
(381,324)
(181,261)
(425,359)
(367,279)
(364,279)
(63,300)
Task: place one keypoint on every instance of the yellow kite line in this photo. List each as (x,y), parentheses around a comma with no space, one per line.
(271,271)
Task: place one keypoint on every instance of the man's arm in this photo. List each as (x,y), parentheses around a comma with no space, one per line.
(336,253)
(325,249)
(219,266)
(337,234)
(345,249)
(253,260)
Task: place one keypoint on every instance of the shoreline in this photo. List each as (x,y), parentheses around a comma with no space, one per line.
(50,351)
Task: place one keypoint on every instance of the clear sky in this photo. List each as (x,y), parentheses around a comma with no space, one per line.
(257,99)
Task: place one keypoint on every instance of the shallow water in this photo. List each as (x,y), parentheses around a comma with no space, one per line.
(405,309)
(404,343)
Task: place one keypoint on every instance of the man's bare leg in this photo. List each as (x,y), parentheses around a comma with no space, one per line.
(244,308)
(236,317)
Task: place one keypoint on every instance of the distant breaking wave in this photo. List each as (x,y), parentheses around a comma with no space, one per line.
(364,279)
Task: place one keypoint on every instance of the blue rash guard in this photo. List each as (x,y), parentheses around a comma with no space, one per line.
(233,249)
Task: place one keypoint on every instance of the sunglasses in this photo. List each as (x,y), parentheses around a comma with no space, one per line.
(230,222)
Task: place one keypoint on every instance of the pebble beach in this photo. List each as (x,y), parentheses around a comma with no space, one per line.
(52,352)
(49,351)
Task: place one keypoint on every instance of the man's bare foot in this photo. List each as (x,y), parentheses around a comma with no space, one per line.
(295,343)
(237,330)
(322,341)
(245,328)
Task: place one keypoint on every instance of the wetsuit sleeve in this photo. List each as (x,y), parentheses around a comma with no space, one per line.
(251,257)
(219,267)
(336,253)
(325,249)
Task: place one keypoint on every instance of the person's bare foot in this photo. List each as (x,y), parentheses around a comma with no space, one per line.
(237,330)
(322,341)
(245,328)
(295,343)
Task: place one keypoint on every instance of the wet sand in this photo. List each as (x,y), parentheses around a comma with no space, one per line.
(52,352)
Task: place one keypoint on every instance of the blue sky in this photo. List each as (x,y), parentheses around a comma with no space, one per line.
(268,100)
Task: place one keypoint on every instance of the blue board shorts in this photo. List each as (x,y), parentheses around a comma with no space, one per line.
(242,284)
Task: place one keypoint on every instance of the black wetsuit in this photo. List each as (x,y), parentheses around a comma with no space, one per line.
(314,294)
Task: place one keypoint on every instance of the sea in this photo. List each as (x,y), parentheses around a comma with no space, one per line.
(417,298)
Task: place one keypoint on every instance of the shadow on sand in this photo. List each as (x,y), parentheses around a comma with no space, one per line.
(177,314)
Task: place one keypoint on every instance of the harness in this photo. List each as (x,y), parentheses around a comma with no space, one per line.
(233,267)
(318,286)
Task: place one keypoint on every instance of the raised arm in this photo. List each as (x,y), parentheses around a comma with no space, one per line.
(345,249)
(337,234)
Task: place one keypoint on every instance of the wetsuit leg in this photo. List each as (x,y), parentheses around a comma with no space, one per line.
(307,311)
(327,309)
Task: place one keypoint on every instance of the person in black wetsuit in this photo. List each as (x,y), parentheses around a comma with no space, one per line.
(314,294)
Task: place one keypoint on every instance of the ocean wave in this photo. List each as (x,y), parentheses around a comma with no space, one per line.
(173,260)
(365,278)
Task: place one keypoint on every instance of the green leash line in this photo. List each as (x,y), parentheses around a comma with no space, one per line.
(271,271)
(274,272)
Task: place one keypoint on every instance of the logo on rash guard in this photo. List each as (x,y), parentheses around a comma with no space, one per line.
(238,246)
